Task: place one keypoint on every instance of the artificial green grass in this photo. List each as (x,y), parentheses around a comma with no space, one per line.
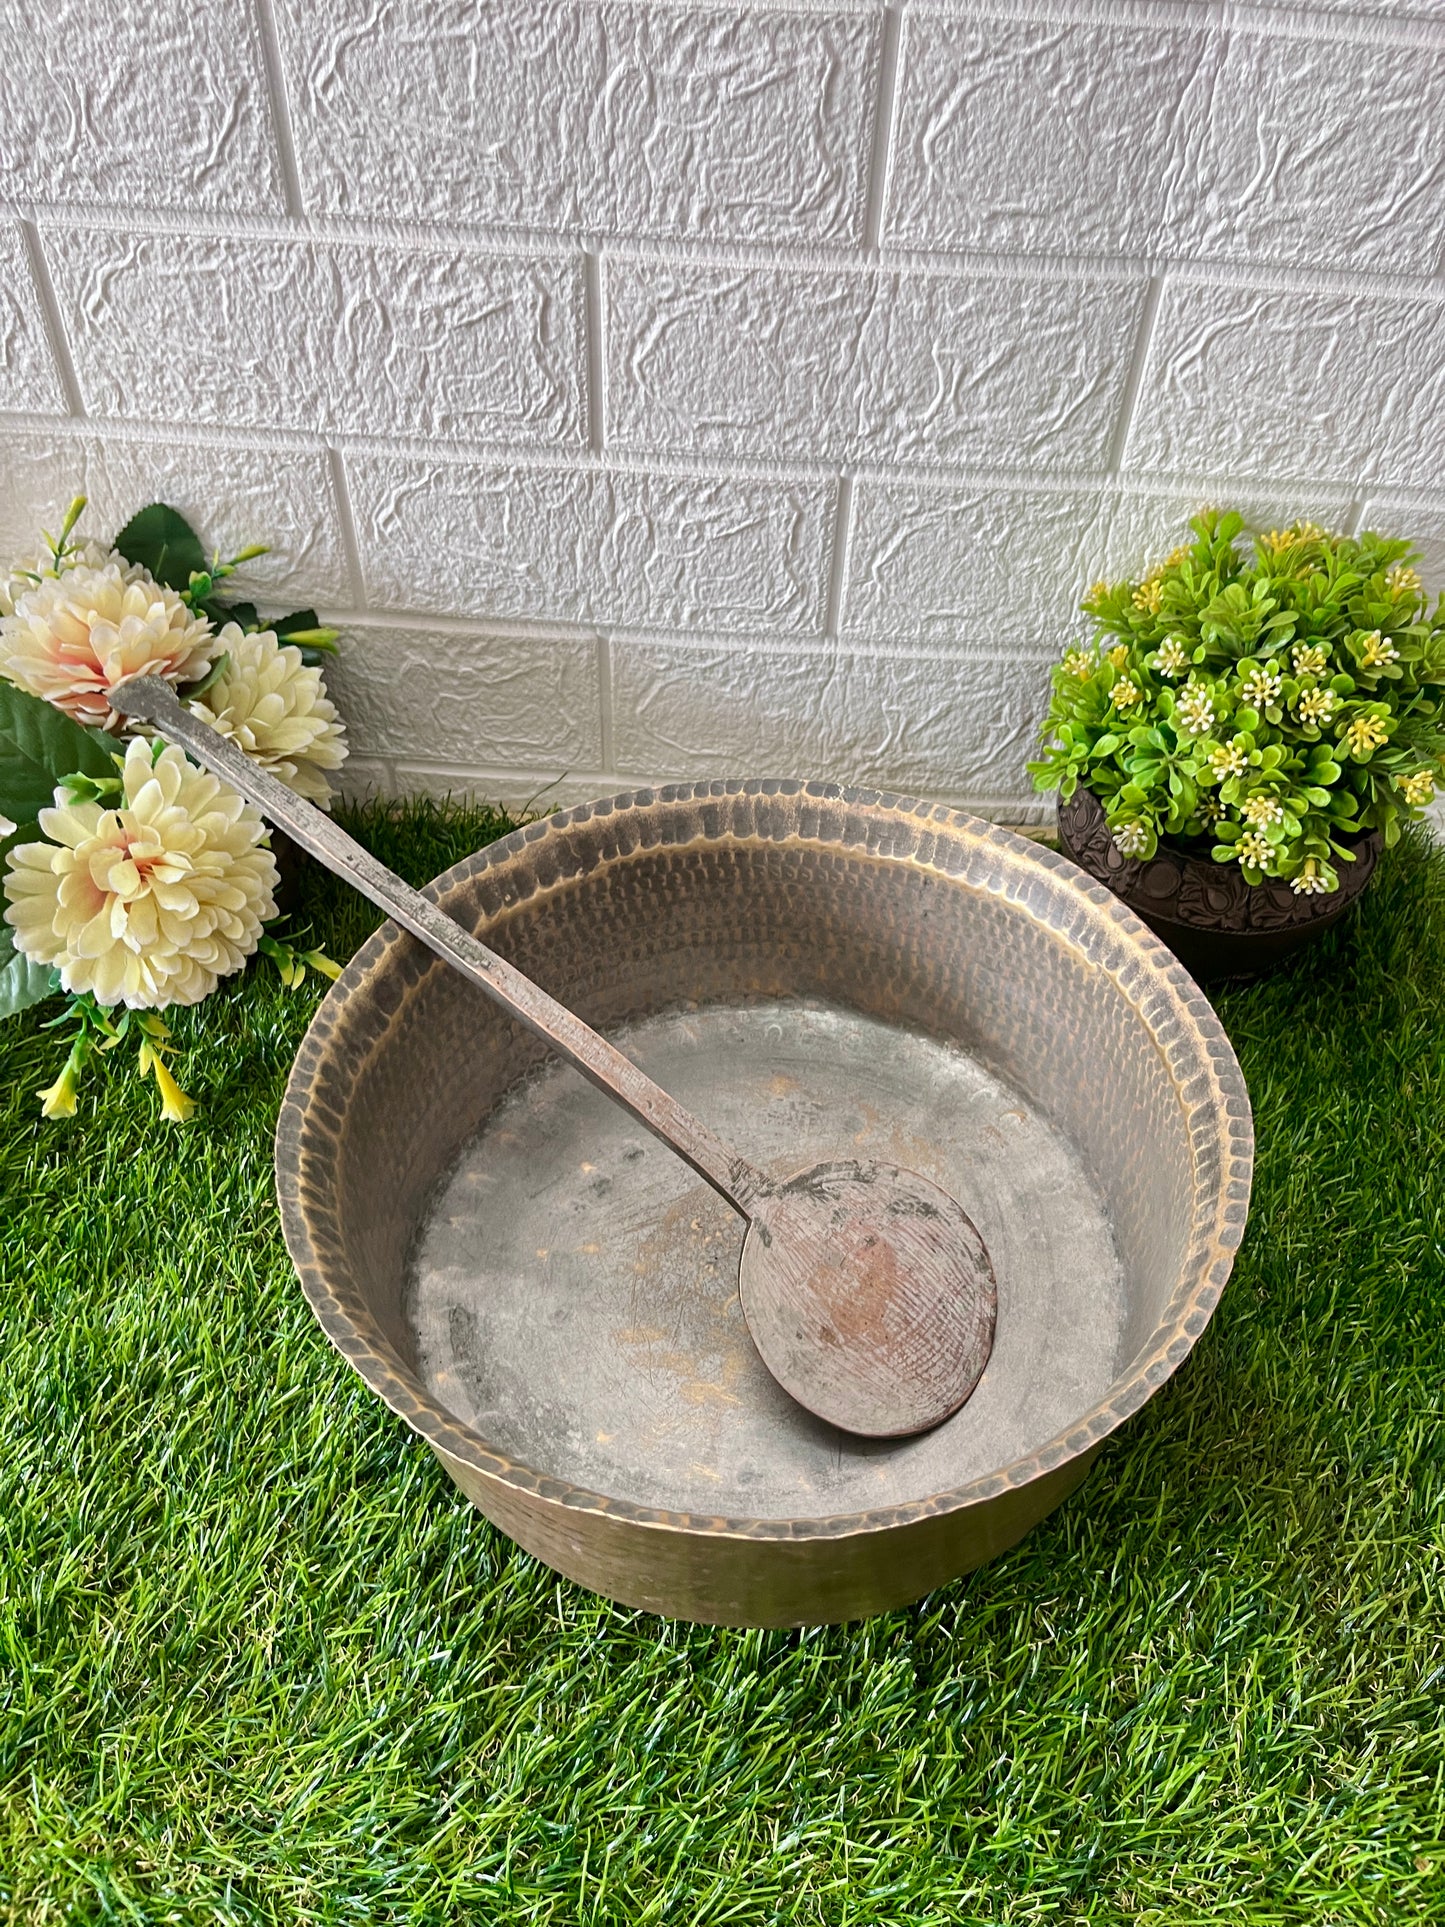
(262,1663)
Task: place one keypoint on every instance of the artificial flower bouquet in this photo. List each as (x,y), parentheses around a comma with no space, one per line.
(1260,704)
(135,880)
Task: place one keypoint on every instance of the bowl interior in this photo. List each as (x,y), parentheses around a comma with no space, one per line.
(539,1285)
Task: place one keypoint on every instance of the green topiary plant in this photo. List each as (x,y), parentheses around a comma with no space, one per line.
(1262,705)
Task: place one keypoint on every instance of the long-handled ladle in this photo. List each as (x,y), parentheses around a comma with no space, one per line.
(867,1290)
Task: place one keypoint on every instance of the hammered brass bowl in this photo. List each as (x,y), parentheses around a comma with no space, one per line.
(549,1297)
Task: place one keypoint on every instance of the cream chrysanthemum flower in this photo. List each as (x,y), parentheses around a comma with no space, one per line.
(73,637)
(151,903)
(267,701)
(29,573)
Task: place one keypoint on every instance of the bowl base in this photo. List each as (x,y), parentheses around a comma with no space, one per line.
(572,1291)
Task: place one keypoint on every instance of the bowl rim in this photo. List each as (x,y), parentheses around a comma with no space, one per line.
(1193,1046)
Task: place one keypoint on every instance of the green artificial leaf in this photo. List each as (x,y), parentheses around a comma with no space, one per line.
(22,982)
(162,540)
(39,744)
(304,630)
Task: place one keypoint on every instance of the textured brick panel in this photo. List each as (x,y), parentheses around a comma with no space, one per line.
(727,121)
(1046,136)
(28,377)
(980,571)
(523,791)
(866,366)
(593,545)
(906,724)
(1321,154)
(155,106)
(232,496)
(326,336)
(361,777)
(483,701)
(1257,382)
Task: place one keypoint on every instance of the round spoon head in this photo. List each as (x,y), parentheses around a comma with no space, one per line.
(870,1296)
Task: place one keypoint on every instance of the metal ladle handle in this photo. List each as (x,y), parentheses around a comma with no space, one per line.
(148,699)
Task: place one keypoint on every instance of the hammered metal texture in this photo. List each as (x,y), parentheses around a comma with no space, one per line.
(909,912)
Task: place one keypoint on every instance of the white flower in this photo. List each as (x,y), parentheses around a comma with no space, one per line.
(72,638)
(1316,706)
(268,701)
(1378,651)
(1228,759)
(1260,687)
(151,903)
(1308,658)
(1262,811)
(1126,694)
(1131,839)
(1309,882)
(1172,658)
(1195,709)
(26,575)
(1079,663)
(1254,850)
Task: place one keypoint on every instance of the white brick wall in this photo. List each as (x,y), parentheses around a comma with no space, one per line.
(664,390)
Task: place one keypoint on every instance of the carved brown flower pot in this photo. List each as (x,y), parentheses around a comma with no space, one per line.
(1217,925)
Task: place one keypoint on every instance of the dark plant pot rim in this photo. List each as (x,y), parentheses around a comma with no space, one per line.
(1216,923)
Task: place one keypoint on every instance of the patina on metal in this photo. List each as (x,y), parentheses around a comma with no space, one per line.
(544,1295)
(866,1288)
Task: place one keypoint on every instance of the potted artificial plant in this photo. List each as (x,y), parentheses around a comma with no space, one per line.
(1243,732)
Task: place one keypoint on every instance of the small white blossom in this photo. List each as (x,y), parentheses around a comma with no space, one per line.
(1316,706)
(1131,839)
(1260,687)
(1195,709)
(1254,849)
(1079,663)
(1261,811)
(1308,659)
(1309,882)
(1126,694)
(1378,652)
(1228,759)
(1172,658)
